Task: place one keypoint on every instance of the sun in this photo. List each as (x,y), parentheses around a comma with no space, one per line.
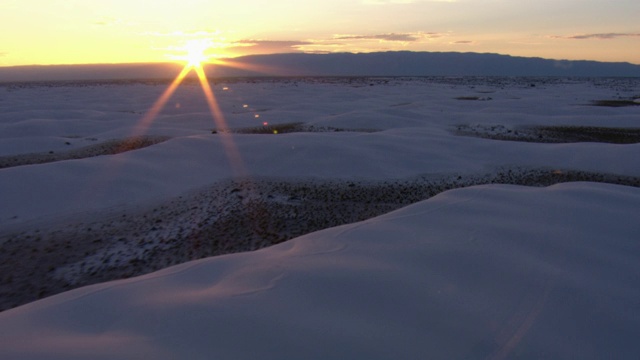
(196,53)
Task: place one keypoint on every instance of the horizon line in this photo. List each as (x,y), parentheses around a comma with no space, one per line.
(173,62)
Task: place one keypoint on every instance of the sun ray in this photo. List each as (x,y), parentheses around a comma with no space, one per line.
(155,109)
(194,64)
(218,117)
(194,59)
(142,125)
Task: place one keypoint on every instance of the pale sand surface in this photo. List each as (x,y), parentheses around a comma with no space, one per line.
(172,201)
(42,259)
(111,147)
(486,271)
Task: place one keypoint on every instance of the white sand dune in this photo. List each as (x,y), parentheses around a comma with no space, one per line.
(484,272)
(491,271)
(418,137)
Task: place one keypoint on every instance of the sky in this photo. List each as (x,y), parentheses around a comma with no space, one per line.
(43,32)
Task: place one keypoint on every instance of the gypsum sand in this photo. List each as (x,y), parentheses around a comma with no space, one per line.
(551,134)
(541,134)
(232,216)
(227,217)
(109,147)
(117,146)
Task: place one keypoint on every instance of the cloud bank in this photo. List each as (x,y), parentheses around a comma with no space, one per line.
(323,45)
(392,2)
(600,36)
(401,37)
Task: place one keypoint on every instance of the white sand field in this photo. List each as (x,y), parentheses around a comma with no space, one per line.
(321,218)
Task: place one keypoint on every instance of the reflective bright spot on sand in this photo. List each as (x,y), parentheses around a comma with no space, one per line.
(225,88)
(245,106)
(256,116)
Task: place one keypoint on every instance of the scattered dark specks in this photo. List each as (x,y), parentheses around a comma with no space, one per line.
(615,103)
(478,98)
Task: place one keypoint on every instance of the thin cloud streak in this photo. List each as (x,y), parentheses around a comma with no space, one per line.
(339,42)
(402,2)
(271,43)
(602,36)
(253,46)
(401,37)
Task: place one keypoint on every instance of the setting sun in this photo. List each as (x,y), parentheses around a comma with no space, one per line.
(195,55)
(125,31)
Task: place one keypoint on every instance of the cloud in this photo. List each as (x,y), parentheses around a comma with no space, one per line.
(336,43)
(388,2)
(463,42)
(184,34)
(384,2)
(220,46)
(272,43)
(400,37)
(253,46)
(601,36)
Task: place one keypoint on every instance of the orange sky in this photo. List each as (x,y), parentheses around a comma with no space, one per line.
(124,31)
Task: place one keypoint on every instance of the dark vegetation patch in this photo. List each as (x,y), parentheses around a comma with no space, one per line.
(284,128)
(110,147)
(590,134)
(616,103)
(473,98)
(267,129)
(552,134)
(400,104)
(224,218)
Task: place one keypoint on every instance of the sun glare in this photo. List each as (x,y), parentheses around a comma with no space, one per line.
(196,53)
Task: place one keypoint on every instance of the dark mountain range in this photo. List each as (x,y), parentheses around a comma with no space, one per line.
(403,63)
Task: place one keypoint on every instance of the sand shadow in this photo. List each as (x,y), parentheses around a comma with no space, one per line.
(552,134)
(284,128)
(110,147)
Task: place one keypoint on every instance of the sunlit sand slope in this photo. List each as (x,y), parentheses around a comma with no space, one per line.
(491,271)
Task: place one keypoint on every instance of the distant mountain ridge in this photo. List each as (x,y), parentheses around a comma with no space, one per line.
(406,63)
(397,63)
